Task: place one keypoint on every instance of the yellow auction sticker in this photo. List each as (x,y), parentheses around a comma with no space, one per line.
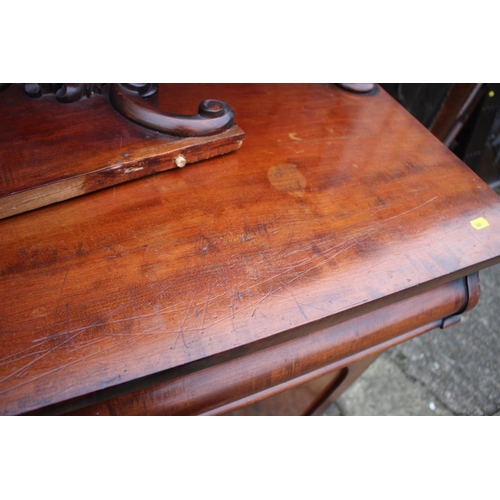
(479,223)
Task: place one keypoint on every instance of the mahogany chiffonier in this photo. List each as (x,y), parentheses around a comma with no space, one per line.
(260,281)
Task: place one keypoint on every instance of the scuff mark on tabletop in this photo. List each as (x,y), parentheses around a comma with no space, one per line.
(60,294)
(286,178)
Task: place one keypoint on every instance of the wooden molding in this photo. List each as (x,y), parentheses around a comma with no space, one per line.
(213,116)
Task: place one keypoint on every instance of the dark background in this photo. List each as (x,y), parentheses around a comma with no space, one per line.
(466,117)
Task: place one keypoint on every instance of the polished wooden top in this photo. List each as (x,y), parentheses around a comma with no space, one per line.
(336,204)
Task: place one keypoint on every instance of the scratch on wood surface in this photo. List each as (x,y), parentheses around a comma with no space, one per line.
(287,269)
(295,299)
(132,169)
(286,276)
(86,343)
(67,335)
(206,305)
(67,327)
(59,368)
(181,325)
(60,294)
(46,353)
(132,299)
(25,353)
(410,210)
(18,238)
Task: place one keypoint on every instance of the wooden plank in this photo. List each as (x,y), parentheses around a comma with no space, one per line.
(51,152)
(337,205)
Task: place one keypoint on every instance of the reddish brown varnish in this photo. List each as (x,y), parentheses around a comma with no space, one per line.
(337,207)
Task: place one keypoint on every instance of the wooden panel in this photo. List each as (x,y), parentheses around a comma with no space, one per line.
(50,152)
(351,374)
(288,403)
(311,398)
(336,205)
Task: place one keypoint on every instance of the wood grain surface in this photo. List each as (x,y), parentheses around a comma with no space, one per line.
(265,368)
(338,204)
(290,402)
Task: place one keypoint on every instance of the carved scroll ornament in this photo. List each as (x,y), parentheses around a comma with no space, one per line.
(213,116)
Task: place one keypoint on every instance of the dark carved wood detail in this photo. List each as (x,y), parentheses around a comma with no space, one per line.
(131,101)
(213,116)
(360,88)
(64,92)
(142,89)
(72,92)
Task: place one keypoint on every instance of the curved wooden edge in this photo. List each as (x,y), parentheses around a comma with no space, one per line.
(474,291)
(213,116)
(253,376)
(354,365)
